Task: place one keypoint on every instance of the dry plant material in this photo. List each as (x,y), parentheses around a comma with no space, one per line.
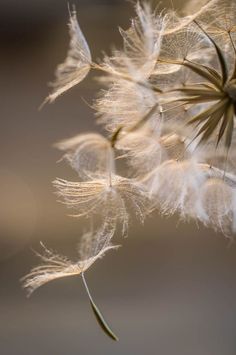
(168,105)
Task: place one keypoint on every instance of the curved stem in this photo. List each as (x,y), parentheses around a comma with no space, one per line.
(101,321)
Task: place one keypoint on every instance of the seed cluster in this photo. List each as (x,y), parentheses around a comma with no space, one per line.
(168,107)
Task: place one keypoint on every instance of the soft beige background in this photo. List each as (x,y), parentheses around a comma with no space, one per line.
(170,289)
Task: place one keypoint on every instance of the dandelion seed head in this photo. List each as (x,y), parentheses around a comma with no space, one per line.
(169,106)
(161,64)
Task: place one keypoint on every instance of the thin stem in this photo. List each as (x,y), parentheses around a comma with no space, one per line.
(101,321)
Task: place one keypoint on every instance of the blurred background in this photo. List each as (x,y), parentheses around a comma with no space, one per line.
(170,289)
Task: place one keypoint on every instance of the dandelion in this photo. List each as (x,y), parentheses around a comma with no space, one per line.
(168,105)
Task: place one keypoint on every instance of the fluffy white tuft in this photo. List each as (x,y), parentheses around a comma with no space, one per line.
(56,266)
(87,153)
(77,63)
